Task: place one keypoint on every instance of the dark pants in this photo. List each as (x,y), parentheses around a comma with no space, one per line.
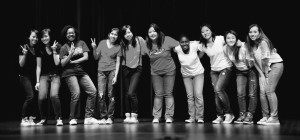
(131,78)
(26,83)
(220,80)
(52,82)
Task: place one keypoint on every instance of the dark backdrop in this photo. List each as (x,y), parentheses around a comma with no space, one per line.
(94,18)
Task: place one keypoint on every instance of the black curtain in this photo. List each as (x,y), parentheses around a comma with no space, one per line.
(95,18)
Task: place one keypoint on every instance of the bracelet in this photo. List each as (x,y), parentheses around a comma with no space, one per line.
(54,52)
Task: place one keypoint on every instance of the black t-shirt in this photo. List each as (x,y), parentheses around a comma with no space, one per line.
(73,69)
(48,64)
(29,68)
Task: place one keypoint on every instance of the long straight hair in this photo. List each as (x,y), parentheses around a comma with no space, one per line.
(236,49)
(160,37)
(262,37)
(202,39)
(124,41)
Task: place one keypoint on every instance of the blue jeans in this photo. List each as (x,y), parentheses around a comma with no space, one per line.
(220,80)
(26,84)
(105,80)
(194,89)
(163,87)
(131,78)
(88,86)
(244,79)
(268,96)
(52,82)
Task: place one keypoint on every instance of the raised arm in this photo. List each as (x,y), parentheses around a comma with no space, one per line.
(22,57)
(96,54)
(66,59)
(55,55)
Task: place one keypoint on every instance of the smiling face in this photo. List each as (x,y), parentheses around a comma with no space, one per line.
(71,34)
(184,43)
(254,33)
(33,39)
(128,35)
(206,32)
(152,34)
(46,38)
(113,36)
(230,39)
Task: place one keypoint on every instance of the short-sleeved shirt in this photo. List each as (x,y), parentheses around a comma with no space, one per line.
(48,64)
(190,63)
(263,52)
(161,61)
(243,58)
(133,56)
(73,69)
(218,60)
(29,68)
(108,56)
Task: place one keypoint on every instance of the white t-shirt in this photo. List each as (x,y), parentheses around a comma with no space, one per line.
(218,59)
(190,63)
(243,56)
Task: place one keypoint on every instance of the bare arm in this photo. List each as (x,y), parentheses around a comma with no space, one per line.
(22,57)
(55,55)
(38,72)
(117,70)
(85,57)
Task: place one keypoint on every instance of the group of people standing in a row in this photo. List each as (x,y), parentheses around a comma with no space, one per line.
(256,61)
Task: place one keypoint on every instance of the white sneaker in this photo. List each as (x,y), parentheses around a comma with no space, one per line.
(59,122)
(272,121)
(102,121)
(190,120)
(169,120)
(109,121)
(228,118)
(31,121)
(91,120)
(262,120)
(200,121)
(73,122)
(155,120)
(25,122)
(219,119)
(42,122)
(133,118)
(127,119)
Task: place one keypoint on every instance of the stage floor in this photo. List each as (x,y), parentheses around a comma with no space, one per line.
(146,130)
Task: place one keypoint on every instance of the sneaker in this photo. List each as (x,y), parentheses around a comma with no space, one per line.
(59,122)
(25,122)
(155,120)
(169,120)
(127,119)
(109,121)
(272,121)
(133,118)
(102,121)
(73,122)
(91,120)
(42,122)
(200,121)
(249,118)
(228,118)
(262,120)
(219,119)
(190,120)
(31,121)
(241,118)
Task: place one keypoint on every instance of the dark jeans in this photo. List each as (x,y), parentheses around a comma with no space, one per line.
(131,78)
(244,79)
(26,84)
(163,88)
(220,80)
(105,80)
(52,82)
(88,86)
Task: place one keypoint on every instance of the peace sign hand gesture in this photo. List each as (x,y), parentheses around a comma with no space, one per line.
(24,49)
(54,46)
(72,50)
(93,43)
